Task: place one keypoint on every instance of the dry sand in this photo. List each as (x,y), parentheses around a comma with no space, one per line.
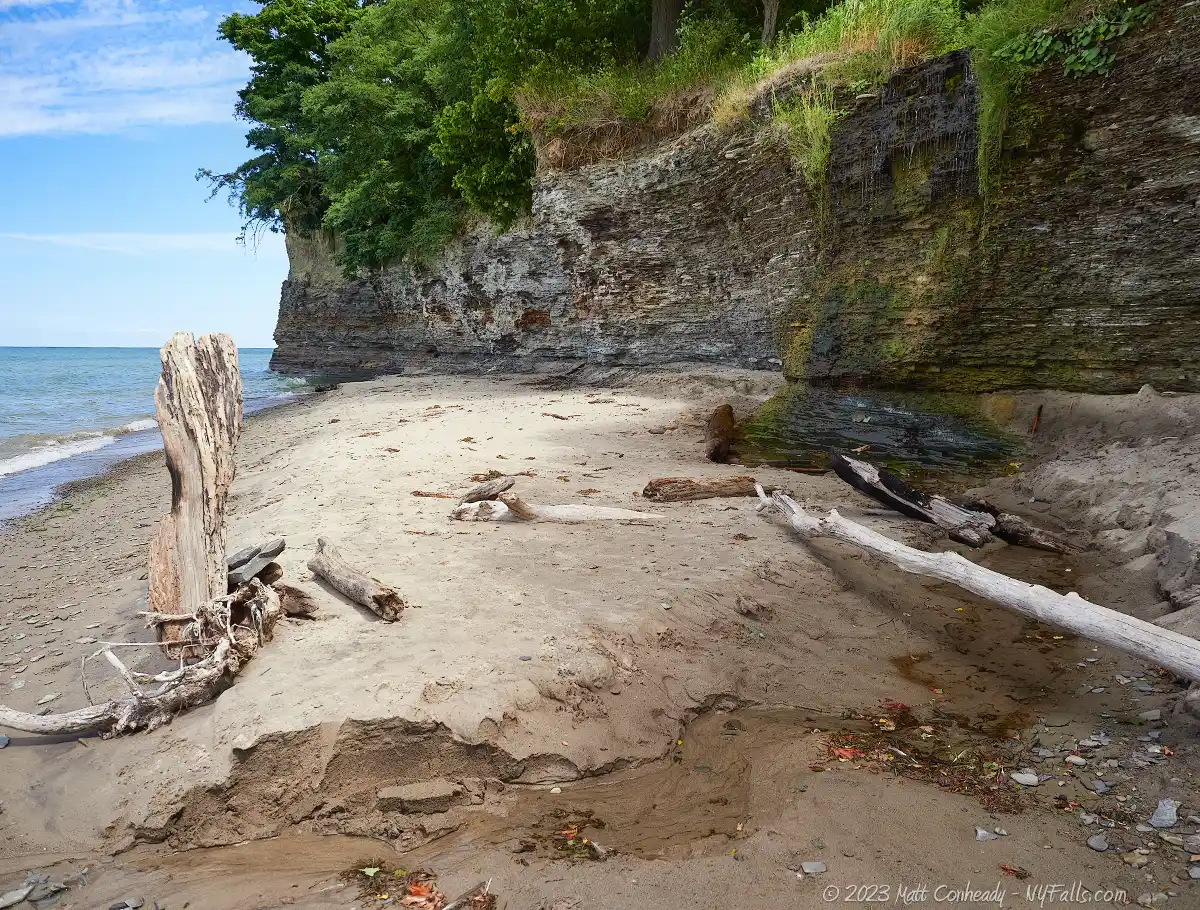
(679,678)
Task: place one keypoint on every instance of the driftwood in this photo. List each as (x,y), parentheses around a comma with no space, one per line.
(682,489)
(242,567)
(1163,647)
(230,629)
(511,508)
(488,490)
(718,434)
(1016,530)
(972,528)
(382,600)
(199,407)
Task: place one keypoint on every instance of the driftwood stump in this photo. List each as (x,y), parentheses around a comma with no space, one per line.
(199,406)
(382,600)
(718,434)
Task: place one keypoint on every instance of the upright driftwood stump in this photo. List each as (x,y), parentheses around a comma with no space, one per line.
(199,406)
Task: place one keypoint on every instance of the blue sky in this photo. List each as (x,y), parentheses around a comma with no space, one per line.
(107,109)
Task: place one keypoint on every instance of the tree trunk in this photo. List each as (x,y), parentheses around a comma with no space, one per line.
(1162,647)
(664,28)
(770,17)
(199,406)
(718,434)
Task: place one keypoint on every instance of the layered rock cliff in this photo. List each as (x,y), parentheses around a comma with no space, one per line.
(1081,271)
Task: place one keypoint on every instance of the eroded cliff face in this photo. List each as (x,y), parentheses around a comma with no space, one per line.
(692,253)
(1082,271)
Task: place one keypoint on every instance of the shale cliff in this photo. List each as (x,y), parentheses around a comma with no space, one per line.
(1080,271)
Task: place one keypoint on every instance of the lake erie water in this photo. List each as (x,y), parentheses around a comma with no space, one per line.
(70,413)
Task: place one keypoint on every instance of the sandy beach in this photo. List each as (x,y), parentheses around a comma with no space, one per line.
(676,682)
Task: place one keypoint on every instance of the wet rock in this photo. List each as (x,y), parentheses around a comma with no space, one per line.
(424,798)
(1025,777)
(985,834)
(815,867)
(1098,842)
(1167,813)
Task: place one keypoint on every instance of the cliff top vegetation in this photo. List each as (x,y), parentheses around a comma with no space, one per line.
(389,122)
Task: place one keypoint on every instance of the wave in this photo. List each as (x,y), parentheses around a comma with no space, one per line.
(54,450)
(138,426)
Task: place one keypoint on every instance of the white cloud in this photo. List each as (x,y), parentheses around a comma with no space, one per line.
(105,66)
(140,244)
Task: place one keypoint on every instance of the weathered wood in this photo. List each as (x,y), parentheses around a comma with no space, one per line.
(229,645)
(1016,530)
(488,490)
(511,508)
(254,565)
(1165,648)
(271,573)
(382,600)
(295,602)
(198,403)
(971,528)
(718,434)
(683,489)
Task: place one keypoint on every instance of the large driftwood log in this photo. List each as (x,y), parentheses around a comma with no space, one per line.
(230,630)
(972,528)
(199,407)
(382,600)
(1163,647)
(511,508)
(718,434)
(683,489)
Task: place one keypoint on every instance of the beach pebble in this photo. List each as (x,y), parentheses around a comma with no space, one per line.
(1173,839)
(813,868)
(985,834)
(1135,859)
(85,641)
(1155,714)
(556,789)
(17,684)
(1191,843)
(1086,818)
(1098,842)
(46,699)
(1194,872)
(1076,760)
(1167,813)
(3,740)
(1025,778)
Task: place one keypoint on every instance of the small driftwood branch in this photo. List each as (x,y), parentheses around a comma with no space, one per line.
(683,489)
(1016,530)
(489,490)
(718,434)
(237,641)
(382,600)
(511,508)
(1176,652)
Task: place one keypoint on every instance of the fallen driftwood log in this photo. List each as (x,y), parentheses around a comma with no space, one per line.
(684,489)
(974,523)
(1163,647)
(198,403)
(382,600)
(511,508)
(718,434)
(488,490)
(231,629)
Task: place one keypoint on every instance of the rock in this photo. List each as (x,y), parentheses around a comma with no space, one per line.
(17,684)
(1153,715)
(1086,818)
(1173,839)
(556,790)
(3,740)
(1025,778)
(1191,843)
(45,890)
(984,834)
(1094,784)
(1135,859)
(1098,842)
(1167,813)
(256,563)
(1194,872)
(46,699)
(812,868)
(1076,760)
(15,896)
(424,798)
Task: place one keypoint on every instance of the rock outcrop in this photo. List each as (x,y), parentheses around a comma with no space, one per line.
(1081,270)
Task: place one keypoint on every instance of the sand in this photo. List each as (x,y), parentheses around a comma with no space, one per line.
(605,660)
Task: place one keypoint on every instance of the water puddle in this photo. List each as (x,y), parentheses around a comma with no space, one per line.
(797,427)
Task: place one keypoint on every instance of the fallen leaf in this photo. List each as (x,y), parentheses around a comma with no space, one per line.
(843,753)
(555,416)
(936,691)
(1014,870)
(370,871)
(588,492)
(467,439)
(419,891)
(391,449)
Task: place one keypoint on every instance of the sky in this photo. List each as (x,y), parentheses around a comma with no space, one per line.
(107,110)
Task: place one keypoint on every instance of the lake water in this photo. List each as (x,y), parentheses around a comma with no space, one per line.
(69,413)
